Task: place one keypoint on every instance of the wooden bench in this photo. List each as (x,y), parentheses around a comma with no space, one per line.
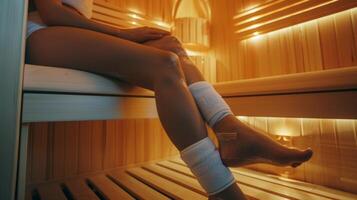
(172,179)
(59,94)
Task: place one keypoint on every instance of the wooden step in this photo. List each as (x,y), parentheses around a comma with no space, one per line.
(171,179)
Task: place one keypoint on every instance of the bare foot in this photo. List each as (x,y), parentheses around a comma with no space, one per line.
(240,145)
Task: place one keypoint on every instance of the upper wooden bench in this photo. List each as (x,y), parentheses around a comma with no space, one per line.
(60,94)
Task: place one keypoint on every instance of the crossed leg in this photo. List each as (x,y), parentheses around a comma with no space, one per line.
(138,64)
(248,145)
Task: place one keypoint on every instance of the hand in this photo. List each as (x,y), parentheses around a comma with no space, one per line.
(142,34)
(168,43)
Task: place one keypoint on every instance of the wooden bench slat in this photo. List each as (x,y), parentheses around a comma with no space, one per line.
(167,187)
(251,192)
(178,178)
(51,192)
(109,189)
(138,188)
(316,189)
(298,190)
(80,190)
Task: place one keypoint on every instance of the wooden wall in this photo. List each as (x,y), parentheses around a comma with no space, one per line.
(65,149)
(155,9)
(321,44)
(334,142)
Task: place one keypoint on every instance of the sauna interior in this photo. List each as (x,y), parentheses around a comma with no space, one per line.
(286,67)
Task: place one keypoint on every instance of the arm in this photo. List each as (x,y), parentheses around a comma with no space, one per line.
(53,13)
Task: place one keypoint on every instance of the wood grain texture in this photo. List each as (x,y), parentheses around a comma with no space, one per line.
(172,179)
(66,149)
(324,43)
(333,141)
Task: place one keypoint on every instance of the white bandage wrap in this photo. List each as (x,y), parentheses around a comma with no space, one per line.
(205,163)
(210,103)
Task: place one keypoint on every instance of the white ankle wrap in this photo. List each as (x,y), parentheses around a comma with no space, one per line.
(210,103)
(205,163)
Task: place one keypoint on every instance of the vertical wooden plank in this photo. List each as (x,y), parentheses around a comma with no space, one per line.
(298,48)
(84,146)
(58,143)
(109,145)
(330,157)
(129,129)
(313,45)
(157,136)
(348,168)
(149,139)
(274,53)
(328,43)
(345,133)
(97,151)
(354,28)
(313,168)
(347,52)
(39,150)
(120,148)
(71,148)
(139,140)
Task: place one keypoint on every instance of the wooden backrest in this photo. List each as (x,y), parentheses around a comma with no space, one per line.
(274,15)
(116,16)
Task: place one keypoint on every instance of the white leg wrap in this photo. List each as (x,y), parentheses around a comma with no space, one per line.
(210,103)
(205,163)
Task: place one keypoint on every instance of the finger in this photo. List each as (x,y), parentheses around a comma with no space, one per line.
(153,36)
(159,31)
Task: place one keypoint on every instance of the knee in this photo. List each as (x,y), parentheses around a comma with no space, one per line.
(169,70)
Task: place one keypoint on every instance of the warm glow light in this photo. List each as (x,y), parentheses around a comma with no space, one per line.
(287,127)
(135,16)
(252,27)
(243,118)
(163,24)
(283,131)
(286,16)
(256,36)
(272,12)
(245,31)
(134,10)
(253,18)
(252,10)
(134,23)
(193,53)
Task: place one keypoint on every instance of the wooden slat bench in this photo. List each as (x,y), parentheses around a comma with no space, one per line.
(171,179)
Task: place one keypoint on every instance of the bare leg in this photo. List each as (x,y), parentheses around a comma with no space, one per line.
(138,64)
(249,145)
(147,67)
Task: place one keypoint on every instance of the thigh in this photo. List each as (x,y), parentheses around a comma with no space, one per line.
(95,52)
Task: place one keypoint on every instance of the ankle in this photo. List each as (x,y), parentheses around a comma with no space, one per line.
(227,124)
